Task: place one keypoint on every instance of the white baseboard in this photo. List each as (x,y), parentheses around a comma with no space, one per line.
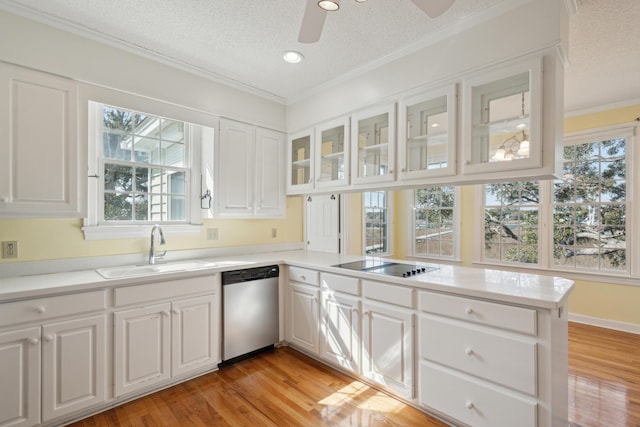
(605,323)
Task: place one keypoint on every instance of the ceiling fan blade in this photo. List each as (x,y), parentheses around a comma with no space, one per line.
(312,23)
(433,8)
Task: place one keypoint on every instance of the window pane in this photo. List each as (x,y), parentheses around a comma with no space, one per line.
(172,130)
(147,150)
(118,178)
(117,207)
(141,205)
(376,222)
(118,120)
(173,154)
(433,218)
(116,146)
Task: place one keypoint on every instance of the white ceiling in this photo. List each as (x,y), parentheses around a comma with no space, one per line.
(241,42)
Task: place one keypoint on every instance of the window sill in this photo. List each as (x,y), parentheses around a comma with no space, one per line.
(114,232)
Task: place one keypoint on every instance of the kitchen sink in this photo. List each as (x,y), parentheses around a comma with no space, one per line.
(146,269)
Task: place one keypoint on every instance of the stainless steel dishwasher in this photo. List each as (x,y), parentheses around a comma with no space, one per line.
(249,312)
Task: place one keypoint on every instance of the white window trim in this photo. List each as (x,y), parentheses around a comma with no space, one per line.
(92,228)
(390,204)
(411,219)
(545,264)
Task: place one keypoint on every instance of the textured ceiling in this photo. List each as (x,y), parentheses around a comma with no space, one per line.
(242,41)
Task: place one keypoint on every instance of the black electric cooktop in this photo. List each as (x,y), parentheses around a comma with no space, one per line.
(388,268)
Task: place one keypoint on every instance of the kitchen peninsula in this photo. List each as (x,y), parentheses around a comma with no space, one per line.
(473,346)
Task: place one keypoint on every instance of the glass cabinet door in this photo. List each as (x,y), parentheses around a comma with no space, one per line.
(427,134)
(299,156)
(504,119)
(373,143)
(332,153)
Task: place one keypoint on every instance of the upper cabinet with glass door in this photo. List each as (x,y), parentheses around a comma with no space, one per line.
(300,162)
(503,110)
(332,154)
(373,145)
(427,134)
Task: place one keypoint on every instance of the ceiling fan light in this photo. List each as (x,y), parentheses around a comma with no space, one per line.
(329,5)
(292,56)
(524,148)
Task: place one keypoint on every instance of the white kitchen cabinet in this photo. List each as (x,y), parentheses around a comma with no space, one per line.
(303,309)
(503,126)
(300,167)
(250,172)
(52,360)
(373,137)
(427,134)
(332,154)
(38,179)
(20,377)
(73,365)
(155,342)
(340,332)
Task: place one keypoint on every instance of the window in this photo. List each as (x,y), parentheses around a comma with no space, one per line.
(146,169)
(511,212)
(588,210)
(433,219)
(144,164)
(376,222)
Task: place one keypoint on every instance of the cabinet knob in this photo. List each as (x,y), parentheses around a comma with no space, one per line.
(165,313)
(302,277)
(468,351)
(41,309)
(34,341)
(469,310)
(48,338)
(176,311)
(469,405)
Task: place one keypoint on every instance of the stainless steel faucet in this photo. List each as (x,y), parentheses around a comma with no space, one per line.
(153,256)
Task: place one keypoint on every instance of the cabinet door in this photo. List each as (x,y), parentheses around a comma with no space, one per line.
(503,127)
(195,339)
(340,330)
(235,168)
(141,347)
(73,365)
(303,317)
(332,154)
(373,145)
(387,347)
(427,134)
(270,198)
(20,377)
(39,155)
(300,162)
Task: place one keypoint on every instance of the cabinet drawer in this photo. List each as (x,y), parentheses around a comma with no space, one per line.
(473,402)
(47,308)
(303,275)
(141,294)
(344,284)
(501,359)
(398,295)
(485,313)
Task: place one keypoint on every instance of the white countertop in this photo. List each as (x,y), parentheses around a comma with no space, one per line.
(505,286)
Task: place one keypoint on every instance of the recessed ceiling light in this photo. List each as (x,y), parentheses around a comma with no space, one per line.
(329,5)
(293,56)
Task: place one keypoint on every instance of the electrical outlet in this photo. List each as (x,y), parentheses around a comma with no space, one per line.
(10,249)
(212,234)
(274,232)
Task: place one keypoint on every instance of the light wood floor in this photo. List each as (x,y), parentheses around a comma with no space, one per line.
(286,388)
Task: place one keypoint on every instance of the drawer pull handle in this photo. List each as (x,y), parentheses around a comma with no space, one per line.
(468,351)
(34,341)
(469,310)
(41,309)
(302,277)
(48,338)
(469,405)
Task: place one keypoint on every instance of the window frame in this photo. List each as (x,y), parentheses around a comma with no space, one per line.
(411,249)
(627,131)
(389,222)
(198,163)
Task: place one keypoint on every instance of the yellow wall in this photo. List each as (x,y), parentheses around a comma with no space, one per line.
(50,239)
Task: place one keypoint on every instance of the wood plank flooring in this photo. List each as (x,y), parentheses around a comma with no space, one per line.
(286,388)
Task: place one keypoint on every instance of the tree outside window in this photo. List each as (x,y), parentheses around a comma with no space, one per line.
(434,222)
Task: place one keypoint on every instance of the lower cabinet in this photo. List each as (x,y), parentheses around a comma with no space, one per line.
(303,324)
(51,368)
(387,347)
(154,343)
(340,340)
